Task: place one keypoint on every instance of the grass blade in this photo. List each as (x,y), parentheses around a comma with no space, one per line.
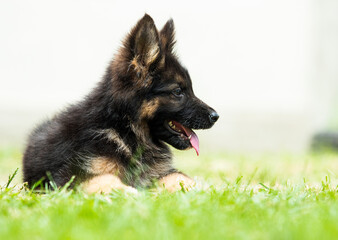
(11,177)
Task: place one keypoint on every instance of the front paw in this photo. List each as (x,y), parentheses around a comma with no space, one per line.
(177,182)
(104,184)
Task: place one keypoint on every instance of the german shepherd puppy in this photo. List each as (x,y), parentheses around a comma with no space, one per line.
(116,137)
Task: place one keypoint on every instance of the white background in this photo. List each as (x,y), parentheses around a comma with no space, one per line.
(269,67)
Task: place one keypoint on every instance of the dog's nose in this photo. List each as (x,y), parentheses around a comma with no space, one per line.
(213,117)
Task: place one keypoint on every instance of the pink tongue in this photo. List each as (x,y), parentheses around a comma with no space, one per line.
(193,139)
(195,143)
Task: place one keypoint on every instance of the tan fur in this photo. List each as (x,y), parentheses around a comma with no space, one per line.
(164,39)
(135,63)
(105,184)
(138,67)
(113,136)
(161,63)
(141,130)
(148,108)
(152,54)
(179,79)
(103,165)
(144,80)
(173,182)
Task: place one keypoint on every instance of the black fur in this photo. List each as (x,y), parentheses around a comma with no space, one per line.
(124,118)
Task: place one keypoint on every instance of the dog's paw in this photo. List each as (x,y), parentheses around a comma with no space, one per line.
(105,184)
(130,190)
(177,182)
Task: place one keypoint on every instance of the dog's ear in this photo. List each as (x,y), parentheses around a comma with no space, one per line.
(167,36)
(144,42)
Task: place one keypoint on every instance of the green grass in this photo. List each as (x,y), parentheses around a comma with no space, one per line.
(237,197)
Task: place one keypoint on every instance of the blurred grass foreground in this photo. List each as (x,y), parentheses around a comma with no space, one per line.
(236,197)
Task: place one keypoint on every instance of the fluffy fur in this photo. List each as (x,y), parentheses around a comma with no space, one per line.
(121,127)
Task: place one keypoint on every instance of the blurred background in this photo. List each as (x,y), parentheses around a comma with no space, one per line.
(270,68)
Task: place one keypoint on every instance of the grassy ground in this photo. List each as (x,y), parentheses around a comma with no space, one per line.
(237,197)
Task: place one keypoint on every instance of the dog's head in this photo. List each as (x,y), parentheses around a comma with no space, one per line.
(161,89)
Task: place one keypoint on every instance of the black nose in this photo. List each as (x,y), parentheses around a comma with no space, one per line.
(213,117)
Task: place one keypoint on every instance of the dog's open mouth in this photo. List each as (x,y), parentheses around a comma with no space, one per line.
(185,133)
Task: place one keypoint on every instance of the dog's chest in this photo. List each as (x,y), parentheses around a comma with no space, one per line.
(146,166)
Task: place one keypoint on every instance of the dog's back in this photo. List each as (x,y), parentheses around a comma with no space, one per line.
(48,153)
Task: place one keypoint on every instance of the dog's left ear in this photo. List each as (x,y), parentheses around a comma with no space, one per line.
(144,42)
(167,36)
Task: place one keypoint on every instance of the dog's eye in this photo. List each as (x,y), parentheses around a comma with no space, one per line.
(177,92)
